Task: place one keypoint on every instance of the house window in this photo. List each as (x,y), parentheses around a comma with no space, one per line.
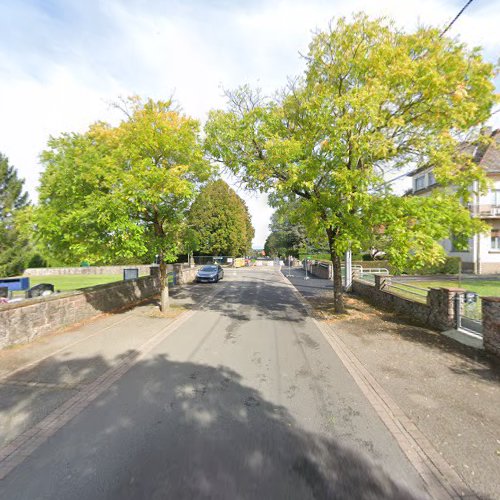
(420,183)
(431,179)
(495,239)
(495,197)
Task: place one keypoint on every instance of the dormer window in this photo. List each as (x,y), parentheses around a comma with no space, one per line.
(420,182)
(431,179)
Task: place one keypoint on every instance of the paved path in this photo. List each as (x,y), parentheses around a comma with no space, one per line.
(240,397)
(446,394)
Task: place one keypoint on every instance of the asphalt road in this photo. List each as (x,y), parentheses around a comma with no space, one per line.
(245,399)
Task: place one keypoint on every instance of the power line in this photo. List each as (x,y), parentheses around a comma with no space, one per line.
(455,18)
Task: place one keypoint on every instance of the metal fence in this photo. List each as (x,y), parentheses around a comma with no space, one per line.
(408,291)
(222,260)
(467,306)
(366,273)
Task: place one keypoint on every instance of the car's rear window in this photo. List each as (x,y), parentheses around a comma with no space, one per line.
(209,268)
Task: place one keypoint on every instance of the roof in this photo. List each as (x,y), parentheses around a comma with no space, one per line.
(486,156)
(489,158)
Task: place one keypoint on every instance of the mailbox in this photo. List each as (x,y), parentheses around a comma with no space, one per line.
(470,297)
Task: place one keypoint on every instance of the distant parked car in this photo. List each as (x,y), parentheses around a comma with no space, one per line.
(211,273)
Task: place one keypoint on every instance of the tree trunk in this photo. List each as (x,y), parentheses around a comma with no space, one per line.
(164,301)
(338,292)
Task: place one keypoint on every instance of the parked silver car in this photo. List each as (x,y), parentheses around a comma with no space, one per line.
(210,274)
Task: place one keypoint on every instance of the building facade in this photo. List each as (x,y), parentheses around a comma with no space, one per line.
(483,253)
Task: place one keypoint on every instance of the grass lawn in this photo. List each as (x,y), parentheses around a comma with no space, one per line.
(67,282)
(484,288)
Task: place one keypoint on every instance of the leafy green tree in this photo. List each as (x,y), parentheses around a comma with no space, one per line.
(13,247)
(220,221)
(287,236)
(123,192)
(373,101)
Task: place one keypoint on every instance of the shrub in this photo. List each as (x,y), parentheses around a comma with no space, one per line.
(451,265)
(36,260)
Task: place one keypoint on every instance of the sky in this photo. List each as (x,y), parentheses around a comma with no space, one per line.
(62,62)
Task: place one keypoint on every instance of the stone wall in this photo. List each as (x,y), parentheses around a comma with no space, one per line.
(184,274)
(52,271)
(436,313)
(320,270)
(491,324)
(26,320)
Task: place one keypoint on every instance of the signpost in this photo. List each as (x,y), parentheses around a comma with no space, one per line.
(130,273)
(348,271)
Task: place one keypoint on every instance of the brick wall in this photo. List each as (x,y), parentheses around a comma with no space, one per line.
(26,320)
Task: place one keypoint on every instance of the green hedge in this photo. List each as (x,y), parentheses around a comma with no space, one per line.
(451,265)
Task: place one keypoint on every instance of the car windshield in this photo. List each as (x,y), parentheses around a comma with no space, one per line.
(209,268)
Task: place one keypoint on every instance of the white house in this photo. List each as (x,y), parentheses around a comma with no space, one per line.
(483,254)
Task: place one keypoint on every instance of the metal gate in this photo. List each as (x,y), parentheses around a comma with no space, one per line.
(468,312)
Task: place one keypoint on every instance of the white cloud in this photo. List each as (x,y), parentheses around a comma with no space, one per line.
(62,62)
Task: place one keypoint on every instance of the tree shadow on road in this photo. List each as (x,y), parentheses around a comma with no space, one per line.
(171,429)
(243,299)
(367,321)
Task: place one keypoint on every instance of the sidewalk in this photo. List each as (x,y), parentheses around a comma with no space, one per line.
(449,391)
(38,377)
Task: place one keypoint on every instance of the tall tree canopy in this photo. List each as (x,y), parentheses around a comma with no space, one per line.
(288,236)
(373,101)
(122,192)
(12,199)
(220,221)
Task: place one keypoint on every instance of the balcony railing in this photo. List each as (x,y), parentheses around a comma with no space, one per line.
(485,210)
